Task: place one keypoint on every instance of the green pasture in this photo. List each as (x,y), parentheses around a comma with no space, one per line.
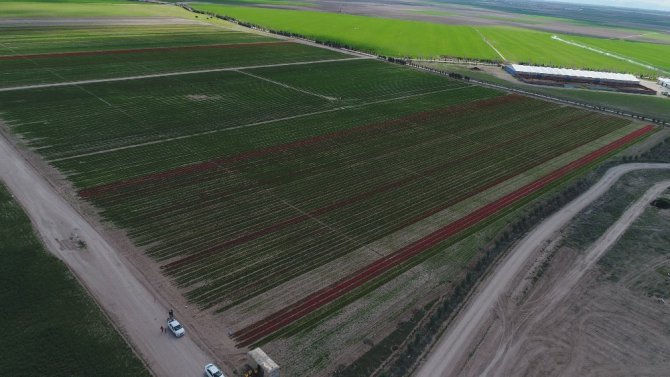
(429,40)
(381,35)
(98,8)
(656,55)
(53,326)
(538,48)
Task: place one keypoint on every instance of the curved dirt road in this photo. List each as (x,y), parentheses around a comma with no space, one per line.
(116,286)
(510,347)
(453,347)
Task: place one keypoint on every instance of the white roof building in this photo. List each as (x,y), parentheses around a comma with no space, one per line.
(565,73)
(664,82)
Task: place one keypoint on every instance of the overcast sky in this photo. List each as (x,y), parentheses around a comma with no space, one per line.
(640,4)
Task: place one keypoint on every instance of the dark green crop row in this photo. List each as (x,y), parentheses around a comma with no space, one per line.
(233,218)
(68,121)
(233,53)
(41,40)
(53,328)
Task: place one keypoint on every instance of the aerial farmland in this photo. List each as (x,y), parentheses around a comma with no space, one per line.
(278,193)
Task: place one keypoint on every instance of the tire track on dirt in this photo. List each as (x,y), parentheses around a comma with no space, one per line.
(448,354)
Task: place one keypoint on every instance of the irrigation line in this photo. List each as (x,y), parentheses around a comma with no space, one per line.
(254,260)
(170,74)
(608,54)
(490,45)
(349,107)
(286,85)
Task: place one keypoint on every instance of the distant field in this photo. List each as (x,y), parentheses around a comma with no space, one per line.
(56,329)
(384,36)
(652,54)
(422,39)
(650,106)
(36,40)
(217,53)
(78,8)
(286,3)
(534,47)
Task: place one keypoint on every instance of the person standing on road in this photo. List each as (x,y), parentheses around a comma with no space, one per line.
(162,330)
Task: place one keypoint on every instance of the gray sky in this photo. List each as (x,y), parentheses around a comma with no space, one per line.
(640,4)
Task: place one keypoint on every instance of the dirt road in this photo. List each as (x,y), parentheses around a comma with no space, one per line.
(131,304)
(509,349)
(453,348)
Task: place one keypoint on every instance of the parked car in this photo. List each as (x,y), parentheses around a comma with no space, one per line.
(212,370)
(176,327)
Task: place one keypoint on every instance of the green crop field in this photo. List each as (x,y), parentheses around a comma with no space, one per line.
(56,329)
(45,68)
(383,36)
(422,39)
(655,55)
(535,47)
(40,40)
(246,182)
(83,8)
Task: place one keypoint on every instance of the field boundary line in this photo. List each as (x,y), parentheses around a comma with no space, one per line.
(169,74)
(490,45)
(47,55)
(608,54)
(286,85)
(298,116)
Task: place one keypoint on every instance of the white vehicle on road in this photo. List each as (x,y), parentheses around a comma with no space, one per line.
(176,327)
(212,370)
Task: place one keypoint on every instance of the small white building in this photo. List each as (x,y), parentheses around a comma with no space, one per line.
(257,358)
(664,82)
(568,75)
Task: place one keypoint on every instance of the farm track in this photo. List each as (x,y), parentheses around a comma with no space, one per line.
(257,331)
(140,50)
(451,351)
(134,307)
(541,309)
(172,74)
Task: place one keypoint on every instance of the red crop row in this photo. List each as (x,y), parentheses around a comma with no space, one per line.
(357,198)
(213,164)
(136,50)
(292,313)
